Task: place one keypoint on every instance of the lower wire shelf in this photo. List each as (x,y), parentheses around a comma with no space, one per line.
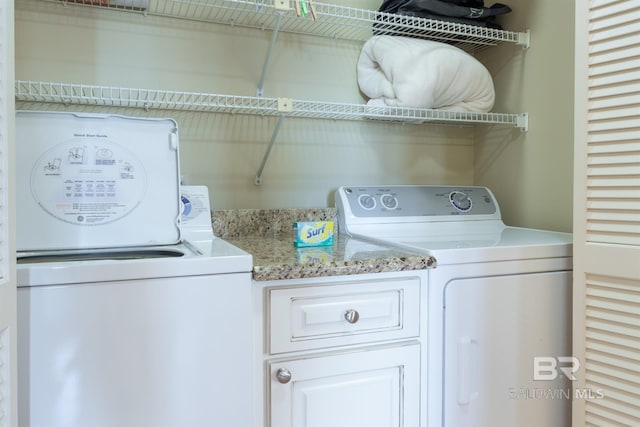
(110,96)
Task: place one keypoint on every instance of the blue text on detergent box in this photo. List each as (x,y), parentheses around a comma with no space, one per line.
(312,233)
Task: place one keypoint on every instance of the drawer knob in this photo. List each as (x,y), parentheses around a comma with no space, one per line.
(283,375)
(352,316)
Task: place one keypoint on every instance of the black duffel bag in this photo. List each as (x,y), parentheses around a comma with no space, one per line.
(471,12)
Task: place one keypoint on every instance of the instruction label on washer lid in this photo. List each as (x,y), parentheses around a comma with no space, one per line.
(88,181)
(195,206)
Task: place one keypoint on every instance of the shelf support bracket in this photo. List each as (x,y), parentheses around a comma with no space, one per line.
(524,39)
(258,179)
(285,105)
(523,122)
(265,66)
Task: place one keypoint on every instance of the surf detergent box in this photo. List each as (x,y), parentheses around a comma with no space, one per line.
(312,233)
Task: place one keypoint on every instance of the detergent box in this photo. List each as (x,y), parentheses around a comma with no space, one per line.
(313,233)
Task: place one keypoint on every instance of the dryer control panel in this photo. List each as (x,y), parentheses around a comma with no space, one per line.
(420,201)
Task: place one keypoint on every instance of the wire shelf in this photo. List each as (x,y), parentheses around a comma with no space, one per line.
(339,22)
(109,96)
(336,22)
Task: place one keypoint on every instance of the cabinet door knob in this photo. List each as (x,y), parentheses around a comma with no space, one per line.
(283,375)
(352,316)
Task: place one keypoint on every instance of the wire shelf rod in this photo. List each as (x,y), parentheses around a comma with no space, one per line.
(339,22)
(109,96)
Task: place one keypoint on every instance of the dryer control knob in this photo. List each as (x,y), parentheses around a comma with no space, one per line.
(367,201)
(461,201)
(389,201)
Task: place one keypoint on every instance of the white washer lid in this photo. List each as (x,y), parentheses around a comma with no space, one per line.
(96,181)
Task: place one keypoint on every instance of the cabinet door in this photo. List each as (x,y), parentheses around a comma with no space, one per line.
(372,388)
(606,288)
(8,331)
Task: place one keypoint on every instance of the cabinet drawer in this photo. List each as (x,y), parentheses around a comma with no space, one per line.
(328,315)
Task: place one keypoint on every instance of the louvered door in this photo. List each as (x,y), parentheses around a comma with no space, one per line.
(8,406)
(607,214)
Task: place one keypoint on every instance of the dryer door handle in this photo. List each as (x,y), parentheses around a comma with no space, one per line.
(467,370)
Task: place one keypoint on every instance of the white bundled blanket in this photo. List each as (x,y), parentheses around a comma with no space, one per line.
(409,72)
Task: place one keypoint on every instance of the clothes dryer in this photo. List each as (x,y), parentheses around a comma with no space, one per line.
(499,302)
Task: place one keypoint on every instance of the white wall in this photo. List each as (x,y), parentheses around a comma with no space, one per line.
(529,172)
(532,173)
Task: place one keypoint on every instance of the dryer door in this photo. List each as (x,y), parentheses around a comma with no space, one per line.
(503,336)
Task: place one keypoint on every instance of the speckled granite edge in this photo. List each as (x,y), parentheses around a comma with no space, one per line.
(264,222)
(302,271)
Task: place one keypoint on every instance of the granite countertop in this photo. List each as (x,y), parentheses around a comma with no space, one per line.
(268,236)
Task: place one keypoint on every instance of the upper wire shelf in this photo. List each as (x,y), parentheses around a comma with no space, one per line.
(109,96)
(339,22)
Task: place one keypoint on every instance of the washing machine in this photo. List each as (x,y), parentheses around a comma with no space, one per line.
(498,326)
(131,313)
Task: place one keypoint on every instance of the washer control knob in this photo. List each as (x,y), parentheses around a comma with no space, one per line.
(367,201)
(283,375)
(389,201)
(461,201)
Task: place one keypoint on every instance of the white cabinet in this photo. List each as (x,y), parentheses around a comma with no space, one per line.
(341,351)
(367,388)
